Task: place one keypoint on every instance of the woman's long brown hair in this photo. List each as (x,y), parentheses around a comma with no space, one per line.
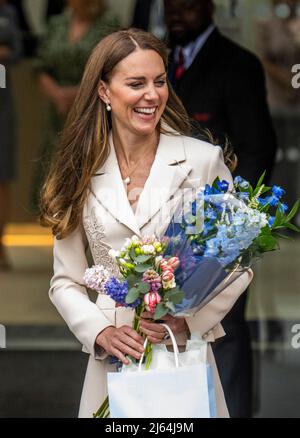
(84,145)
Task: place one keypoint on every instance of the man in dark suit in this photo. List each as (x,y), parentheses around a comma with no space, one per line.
(222,86)
(149,15)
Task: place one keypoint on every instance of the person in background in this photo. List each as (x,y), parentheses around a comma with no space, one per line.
(278,44)
(25,11)
(70,38)
(10,52)
(149,16)
(222,87)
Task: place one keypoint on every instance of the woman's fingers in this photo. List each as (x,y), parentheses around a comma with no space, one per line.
(132,334)
(117,353)
(126,349)
(128,341)
(147,315)
(134,345)
(154,332)
(154,327)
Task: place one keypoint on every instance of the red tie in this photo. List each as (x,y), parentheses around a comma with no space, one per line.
(180,69)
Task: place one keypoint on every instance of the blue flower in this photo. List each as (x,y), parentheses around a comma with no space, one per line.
(262,201)
(117,290)
(271,200)
(223,186)
(283,207)
(244,196)
(278,191)
(239,181)
(208,190)
(194,208)
(271,221)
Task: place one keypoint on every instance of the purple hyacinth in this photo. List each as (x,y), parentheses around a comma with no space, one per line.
(153,279)
(118,290)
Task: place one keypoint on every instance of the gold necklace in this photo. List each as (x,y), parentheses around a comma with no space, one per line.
(127,179)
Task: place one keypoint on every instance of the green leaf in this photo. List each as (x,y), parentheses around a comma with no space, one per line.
(260,181)
(132,295)
(267,243)
(132,280)
(279,219)
(282,236)
(170,306)
(214,184)
(143,258)
(143,288)
(293,227)
(173,291)
(177,298)
(161,310)
(132,254)
(293,211)
(175,295)
(265,190)
(142,267)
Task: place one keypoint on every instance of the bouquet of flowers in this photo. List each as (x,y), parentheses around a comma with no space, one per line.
(221,233)
(210,241)
(146,282)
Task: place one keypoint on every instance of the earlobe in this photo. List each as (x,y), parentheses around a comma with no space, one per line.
(103,92)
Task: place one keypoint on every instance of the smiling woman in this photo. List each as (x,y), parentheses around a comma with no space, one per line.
(124,78)
(126,130)
(137,104)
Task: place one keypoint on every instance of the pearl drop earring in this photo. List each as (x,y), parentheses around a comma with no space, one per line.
(108,107)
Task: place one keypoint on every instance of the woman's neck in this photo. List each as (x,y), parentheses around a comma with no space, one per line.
(131,148)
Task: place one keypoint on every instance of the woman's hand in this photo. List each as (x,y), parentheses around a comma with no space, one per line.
(156,332)
(121,341)
(62,97)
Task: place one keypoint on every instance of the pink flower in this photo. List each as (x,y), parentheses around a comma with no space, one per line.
(167,276)
(174,262)
(164,265)
(151,299)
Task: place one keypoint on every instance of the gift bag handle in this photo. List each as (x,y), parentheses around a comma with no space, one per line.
(175,348)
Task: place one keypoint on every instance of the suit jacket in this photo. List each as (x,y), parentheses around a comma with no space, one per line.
(181,163)
(141,14)
(224,91)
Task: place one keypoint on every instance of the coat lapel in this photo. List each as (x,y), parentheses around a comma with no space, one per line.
(108,188)
(168,172)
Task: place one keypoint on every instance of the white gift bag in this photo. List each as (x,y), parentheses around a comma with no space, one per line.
(177,385)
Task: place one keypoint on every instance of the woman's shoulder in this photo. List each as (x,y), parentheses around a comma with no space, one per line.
(198,149)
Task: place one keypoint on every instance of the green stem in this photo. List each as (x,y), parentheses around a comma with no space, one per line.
(102,410)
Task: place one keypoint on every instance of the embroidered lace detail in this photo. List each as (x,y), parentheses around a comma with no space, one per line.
(95,233)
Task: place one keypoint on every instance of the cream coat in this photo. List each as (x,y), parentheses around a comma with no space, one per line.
(181,163)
